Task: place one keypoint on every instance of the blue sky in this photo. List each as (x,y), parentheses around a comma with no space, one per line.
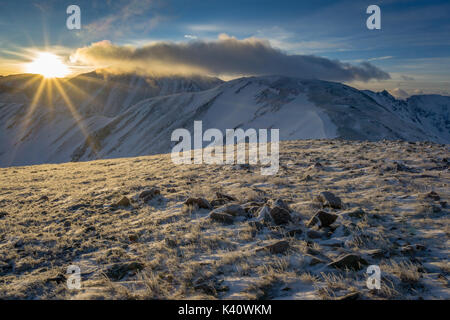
(413,45)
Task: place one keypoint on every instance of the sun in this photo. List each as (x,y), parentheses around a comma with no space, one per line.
(48,65)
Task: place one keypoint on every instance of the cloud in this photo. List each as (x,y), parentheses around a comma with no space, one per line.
(399,93)
(135,16)
(226,56)
(407,78)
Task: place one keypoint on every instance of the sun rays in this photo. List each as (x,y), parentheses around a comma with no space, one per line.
(49,99)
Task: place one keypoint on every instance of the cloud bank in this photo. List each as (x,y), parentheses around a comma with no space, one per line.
(225,57)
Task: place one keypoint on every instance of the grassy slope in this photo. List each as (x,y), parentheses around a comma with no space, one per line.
(178,252)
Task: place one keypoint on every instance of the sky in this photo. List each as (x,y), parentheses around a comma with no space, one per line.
(321,39)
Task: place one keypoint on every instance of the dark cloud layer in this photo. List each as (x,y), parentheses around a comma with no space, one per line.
(224,57)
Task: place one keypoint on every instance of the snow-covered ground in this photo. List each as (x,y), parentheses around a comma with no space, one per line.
(393,213)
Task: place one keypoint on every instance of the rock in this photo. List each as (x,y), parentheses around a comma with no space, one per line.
(328,199)
(218,202)
(221,217)
(133,238)
(277,247)
(43,198)
(399,167)
(325,219)
(148,195)
(280,203)
(199,202)
(264,215)
(3,214)
(225,197)
(314,260)
(119,270)
(314,234)
(124,202)
(280,216)
(443,204)
(376,253)
(256,224)
(349,261)
(233,209)
(294,232)
(433,195)
(355,213)
(171,243)
(412,249)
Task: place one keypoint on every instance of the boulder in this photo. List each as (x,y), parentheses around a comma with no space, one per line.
(149,194)
(277,247)
(220,195)
(280,216)
(264,215)
(199,202)
(221,217)
(280,203)
(323,218)
(315,234)
(124,202)
(349,261)
(328,199)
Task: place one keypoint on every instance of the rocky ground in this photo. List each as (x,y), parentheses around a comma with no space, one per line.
(143,228)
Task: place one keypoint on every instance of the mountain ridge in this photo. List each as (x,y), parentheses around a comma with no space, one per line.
(300,108)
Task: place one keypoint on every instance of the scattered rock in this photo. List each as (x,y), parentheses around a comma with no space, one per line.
(399,167)
(412,249)
(313,234)
(233,209)
(294,232)
(325,219)
(124,202)
(328,199)
(314,261)
(264,215)
(148,195)
(376,253)
(133,238)
(433,195)
(280,216)
(44,198)
(218,202)
(3,214)
(221,217)
(349,261)
(277,247)
(318,165)
(171,243)
(355,213)
(119,270)
(225,197)
(199,202)
(280,203)
(256,224)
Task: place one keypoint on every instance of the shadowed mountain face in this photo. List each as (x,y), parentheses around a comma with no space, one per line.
(97,116)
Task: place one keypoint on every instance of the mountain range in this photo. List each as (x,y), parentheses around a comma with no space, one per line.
(100,115)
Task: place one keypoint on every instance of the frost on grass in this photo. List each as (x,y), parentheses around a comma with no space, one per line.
(143,228)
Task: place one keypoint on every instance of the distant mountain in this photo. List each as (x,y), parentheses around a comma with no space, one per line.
(123,116)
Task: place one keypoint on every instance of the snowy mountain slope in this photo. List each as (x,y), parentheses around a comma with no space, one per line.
(301,109)
(99,93)
(430,113)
